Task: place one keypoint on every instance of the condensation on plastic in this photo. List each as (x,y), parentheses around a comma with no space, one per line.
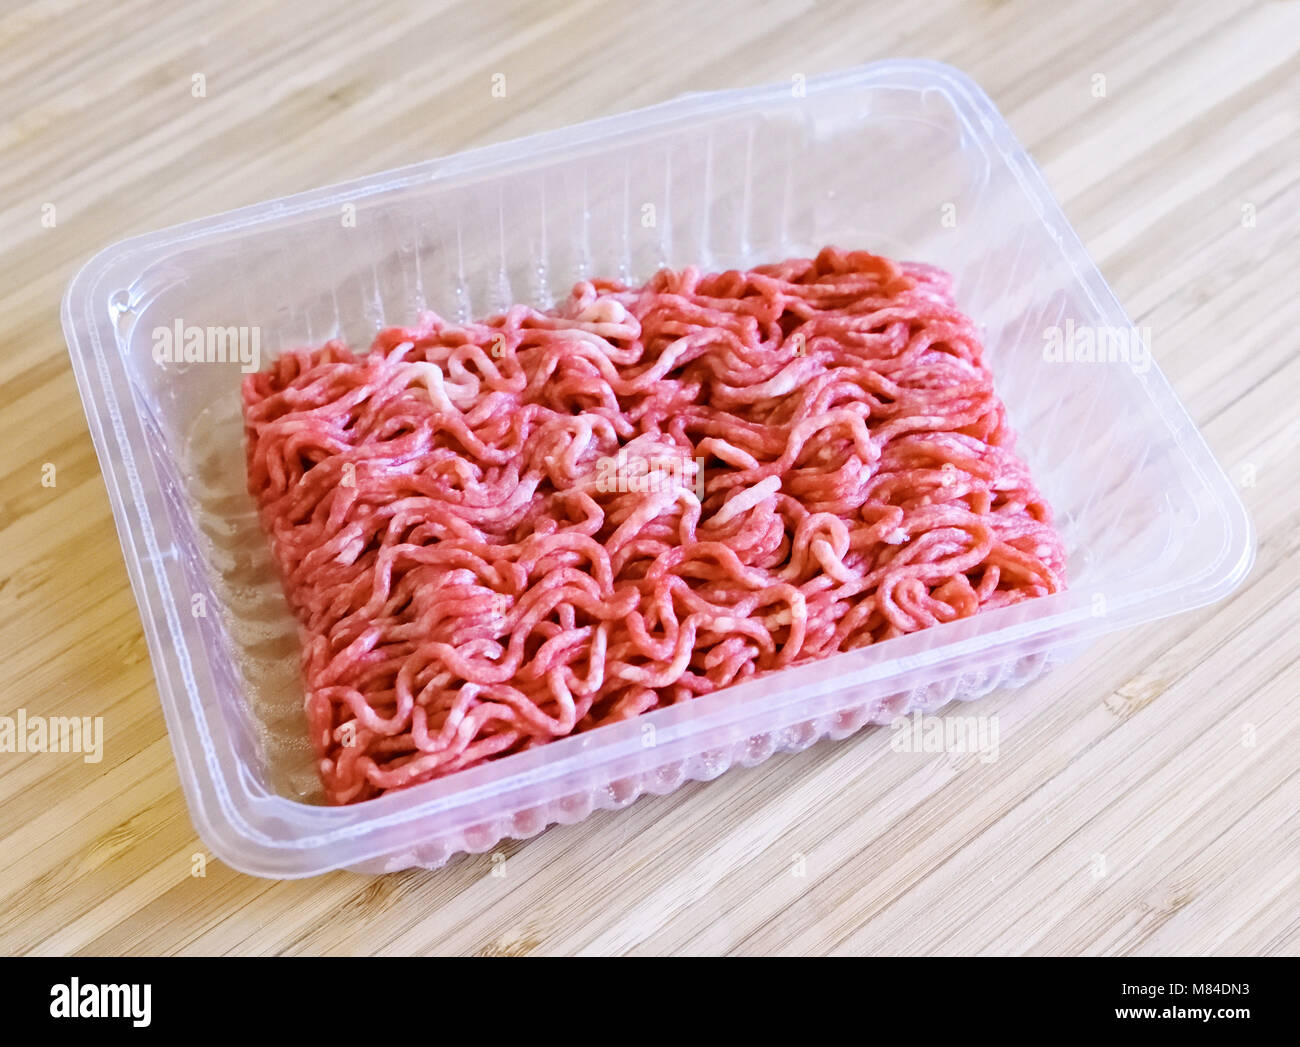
(906,158)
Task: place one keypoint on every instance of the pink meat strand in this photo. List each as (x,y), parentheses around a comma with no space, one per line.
(498,533)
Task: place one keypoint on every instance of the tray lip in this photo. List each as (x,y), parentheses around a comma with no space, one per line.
(229,830)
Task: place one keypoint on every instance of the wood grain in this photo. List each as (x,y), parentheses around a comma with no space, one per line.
(1126,813)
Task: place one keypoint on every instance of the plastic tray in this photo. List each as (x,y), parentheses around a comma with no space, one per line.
(906,158)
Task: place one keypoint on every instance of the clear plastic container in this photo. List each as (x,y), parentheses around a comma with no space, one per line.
(906,158)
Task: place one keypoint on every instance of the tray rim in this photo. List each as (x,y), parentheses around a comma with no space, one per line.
(232,829)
